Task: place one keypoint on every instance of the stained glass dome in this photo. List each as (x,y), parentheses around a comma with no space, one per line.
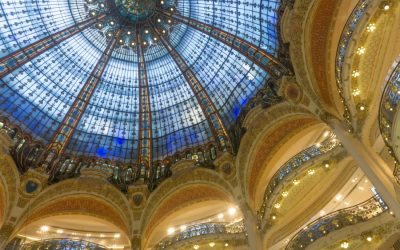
(133,80)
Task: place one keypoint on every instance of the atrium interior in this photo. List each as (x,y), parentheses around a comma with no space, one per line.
(199,124)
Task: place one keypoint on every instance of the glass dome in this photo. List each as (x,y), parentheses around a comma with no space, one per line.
(133,80)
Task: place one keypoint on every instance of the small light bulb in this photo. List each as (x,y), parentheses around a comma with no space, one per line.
(356,92)
(355,73)
(360,50)
(344,245)
(371,27)
(386,7)
(232,211)
(170,230)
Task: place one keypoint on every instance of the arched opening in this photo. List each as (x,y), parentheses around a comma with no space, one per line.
(191,202)
(195,219)
(74,226)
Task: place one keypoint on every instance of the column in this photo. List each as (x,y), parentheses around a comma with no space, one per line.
(374,167)
(253,235)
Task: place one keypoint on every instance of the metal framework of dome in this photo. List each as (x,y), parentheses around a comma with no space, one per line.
(128,84)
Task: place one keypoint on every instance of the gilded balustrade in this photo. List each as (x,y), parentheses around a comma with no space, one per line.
(337,220)
(343,50)
(62,244)
(291,166)
(203,229)
(388,111)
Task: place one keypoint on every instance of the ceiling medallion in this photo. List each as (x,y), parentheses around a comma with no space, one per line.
(136,10)
(131,19)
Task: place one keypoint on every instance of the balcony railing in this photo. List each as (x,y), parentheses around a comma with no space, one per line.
(202,230)
(387,112)
(62,244)
(352,23)
(291,166)
(336,221)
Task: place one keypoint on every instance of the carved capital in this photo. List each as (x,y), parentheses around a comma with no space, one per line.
(225,165)
(138,195)
(32,183)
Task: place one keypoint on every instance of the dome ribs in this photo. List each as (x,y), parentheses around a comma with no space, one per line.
(145,130)
(207,105)
(67,127)
(257,55)
(15,60)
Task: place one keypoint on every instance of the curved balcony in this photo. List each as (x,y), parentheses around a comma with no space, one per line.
(343,49)
(336,221)
(203,230)
(388,114)
(62,244)
(291,167)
